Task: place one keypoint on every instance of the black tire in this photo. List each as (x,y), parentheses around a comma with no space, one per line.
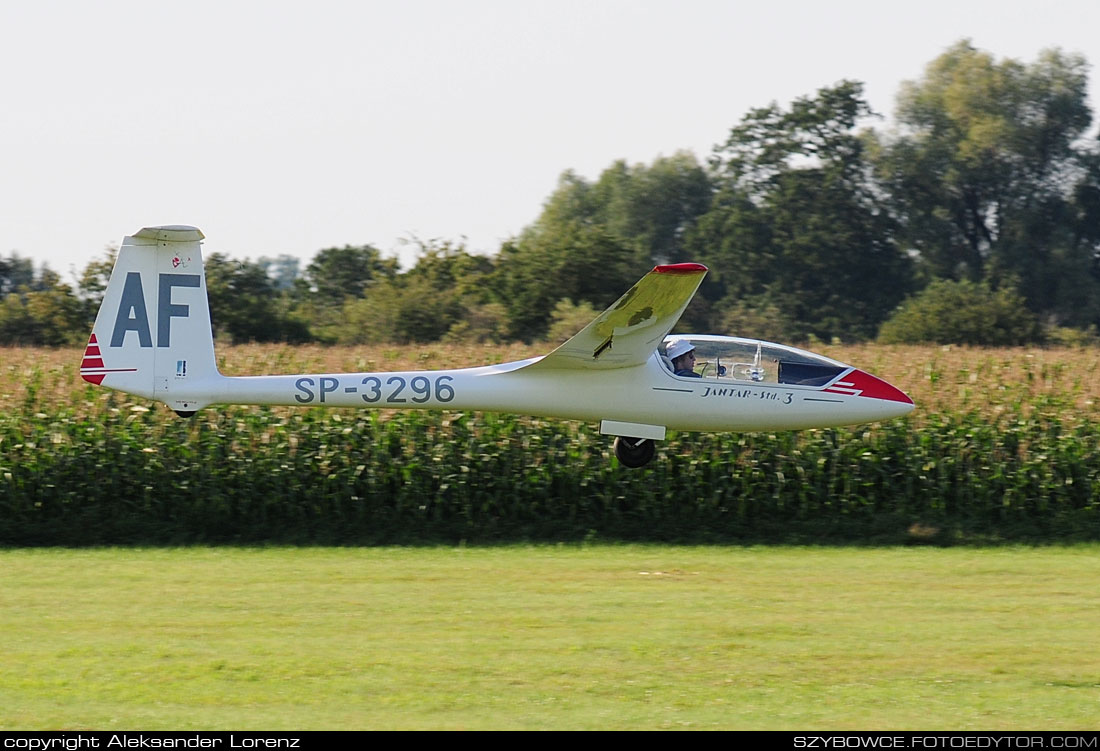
(634,452)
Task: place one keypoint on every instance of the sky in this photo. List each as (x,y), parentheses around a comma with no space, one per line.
(285,127)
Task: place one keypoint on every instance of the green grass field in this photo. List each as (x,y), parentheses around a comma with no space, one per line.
(554,637)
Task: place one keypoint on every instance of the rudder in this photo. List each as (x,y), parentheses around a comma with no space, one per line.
(152,336)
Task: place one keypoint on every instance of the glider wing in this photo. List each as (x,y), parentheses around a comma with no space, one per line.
(627,333)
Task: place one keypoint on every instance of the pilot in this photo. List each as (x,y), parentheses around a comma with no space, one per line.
(681,353)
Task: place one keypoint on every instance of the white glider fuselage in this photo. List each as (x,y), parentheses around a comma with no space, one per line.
(152,338)
(647,394)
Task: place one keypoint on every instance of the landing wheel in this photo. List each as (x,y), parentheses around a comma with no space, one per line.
(184,413)
(634,452)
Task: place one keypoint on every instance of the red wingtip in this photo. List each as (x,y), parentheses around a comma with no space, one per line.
(681,268)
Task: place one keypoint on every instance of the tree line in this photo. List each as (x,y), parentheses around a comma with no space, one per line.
(974,217)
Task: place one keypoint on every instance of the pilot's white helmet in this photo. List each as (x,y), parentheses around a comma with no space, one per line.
(678,347)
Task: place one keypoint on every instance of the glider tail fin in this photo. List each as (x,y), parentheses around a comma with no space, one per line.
(152,336)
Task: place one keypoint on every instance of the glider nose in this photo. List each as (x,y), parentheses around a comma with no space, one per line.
(891,401)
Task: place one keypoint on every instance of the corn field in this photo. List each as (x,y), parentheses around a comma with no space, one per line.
(1003,447)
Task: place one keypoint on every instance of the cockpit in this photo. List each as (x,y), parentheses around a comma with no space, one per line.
(730,358)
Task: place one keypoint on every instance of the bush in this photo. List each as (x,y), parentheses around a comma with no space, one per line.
(569,318)
(1064,336)
(962,312)
(759,320)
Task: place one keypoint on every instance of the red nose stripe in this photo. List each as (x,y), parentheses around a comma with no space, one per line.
(858,383)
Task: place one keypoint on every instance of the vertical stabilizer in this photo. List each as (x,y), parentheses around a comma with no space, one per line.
(152,336)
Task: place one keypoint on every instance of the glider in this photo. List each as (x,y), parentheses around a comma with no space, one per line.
(153,338)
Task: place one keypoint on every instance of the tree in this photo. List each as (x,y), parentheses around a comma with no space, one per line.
(576,261)
(593,240)
(652,208)
(335,278)
(443,295)
(42,312)
(567,319)
(445,266)
(797,224)
(93,284)
(338,273)
(15,272)
(990,175)
(244,304)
